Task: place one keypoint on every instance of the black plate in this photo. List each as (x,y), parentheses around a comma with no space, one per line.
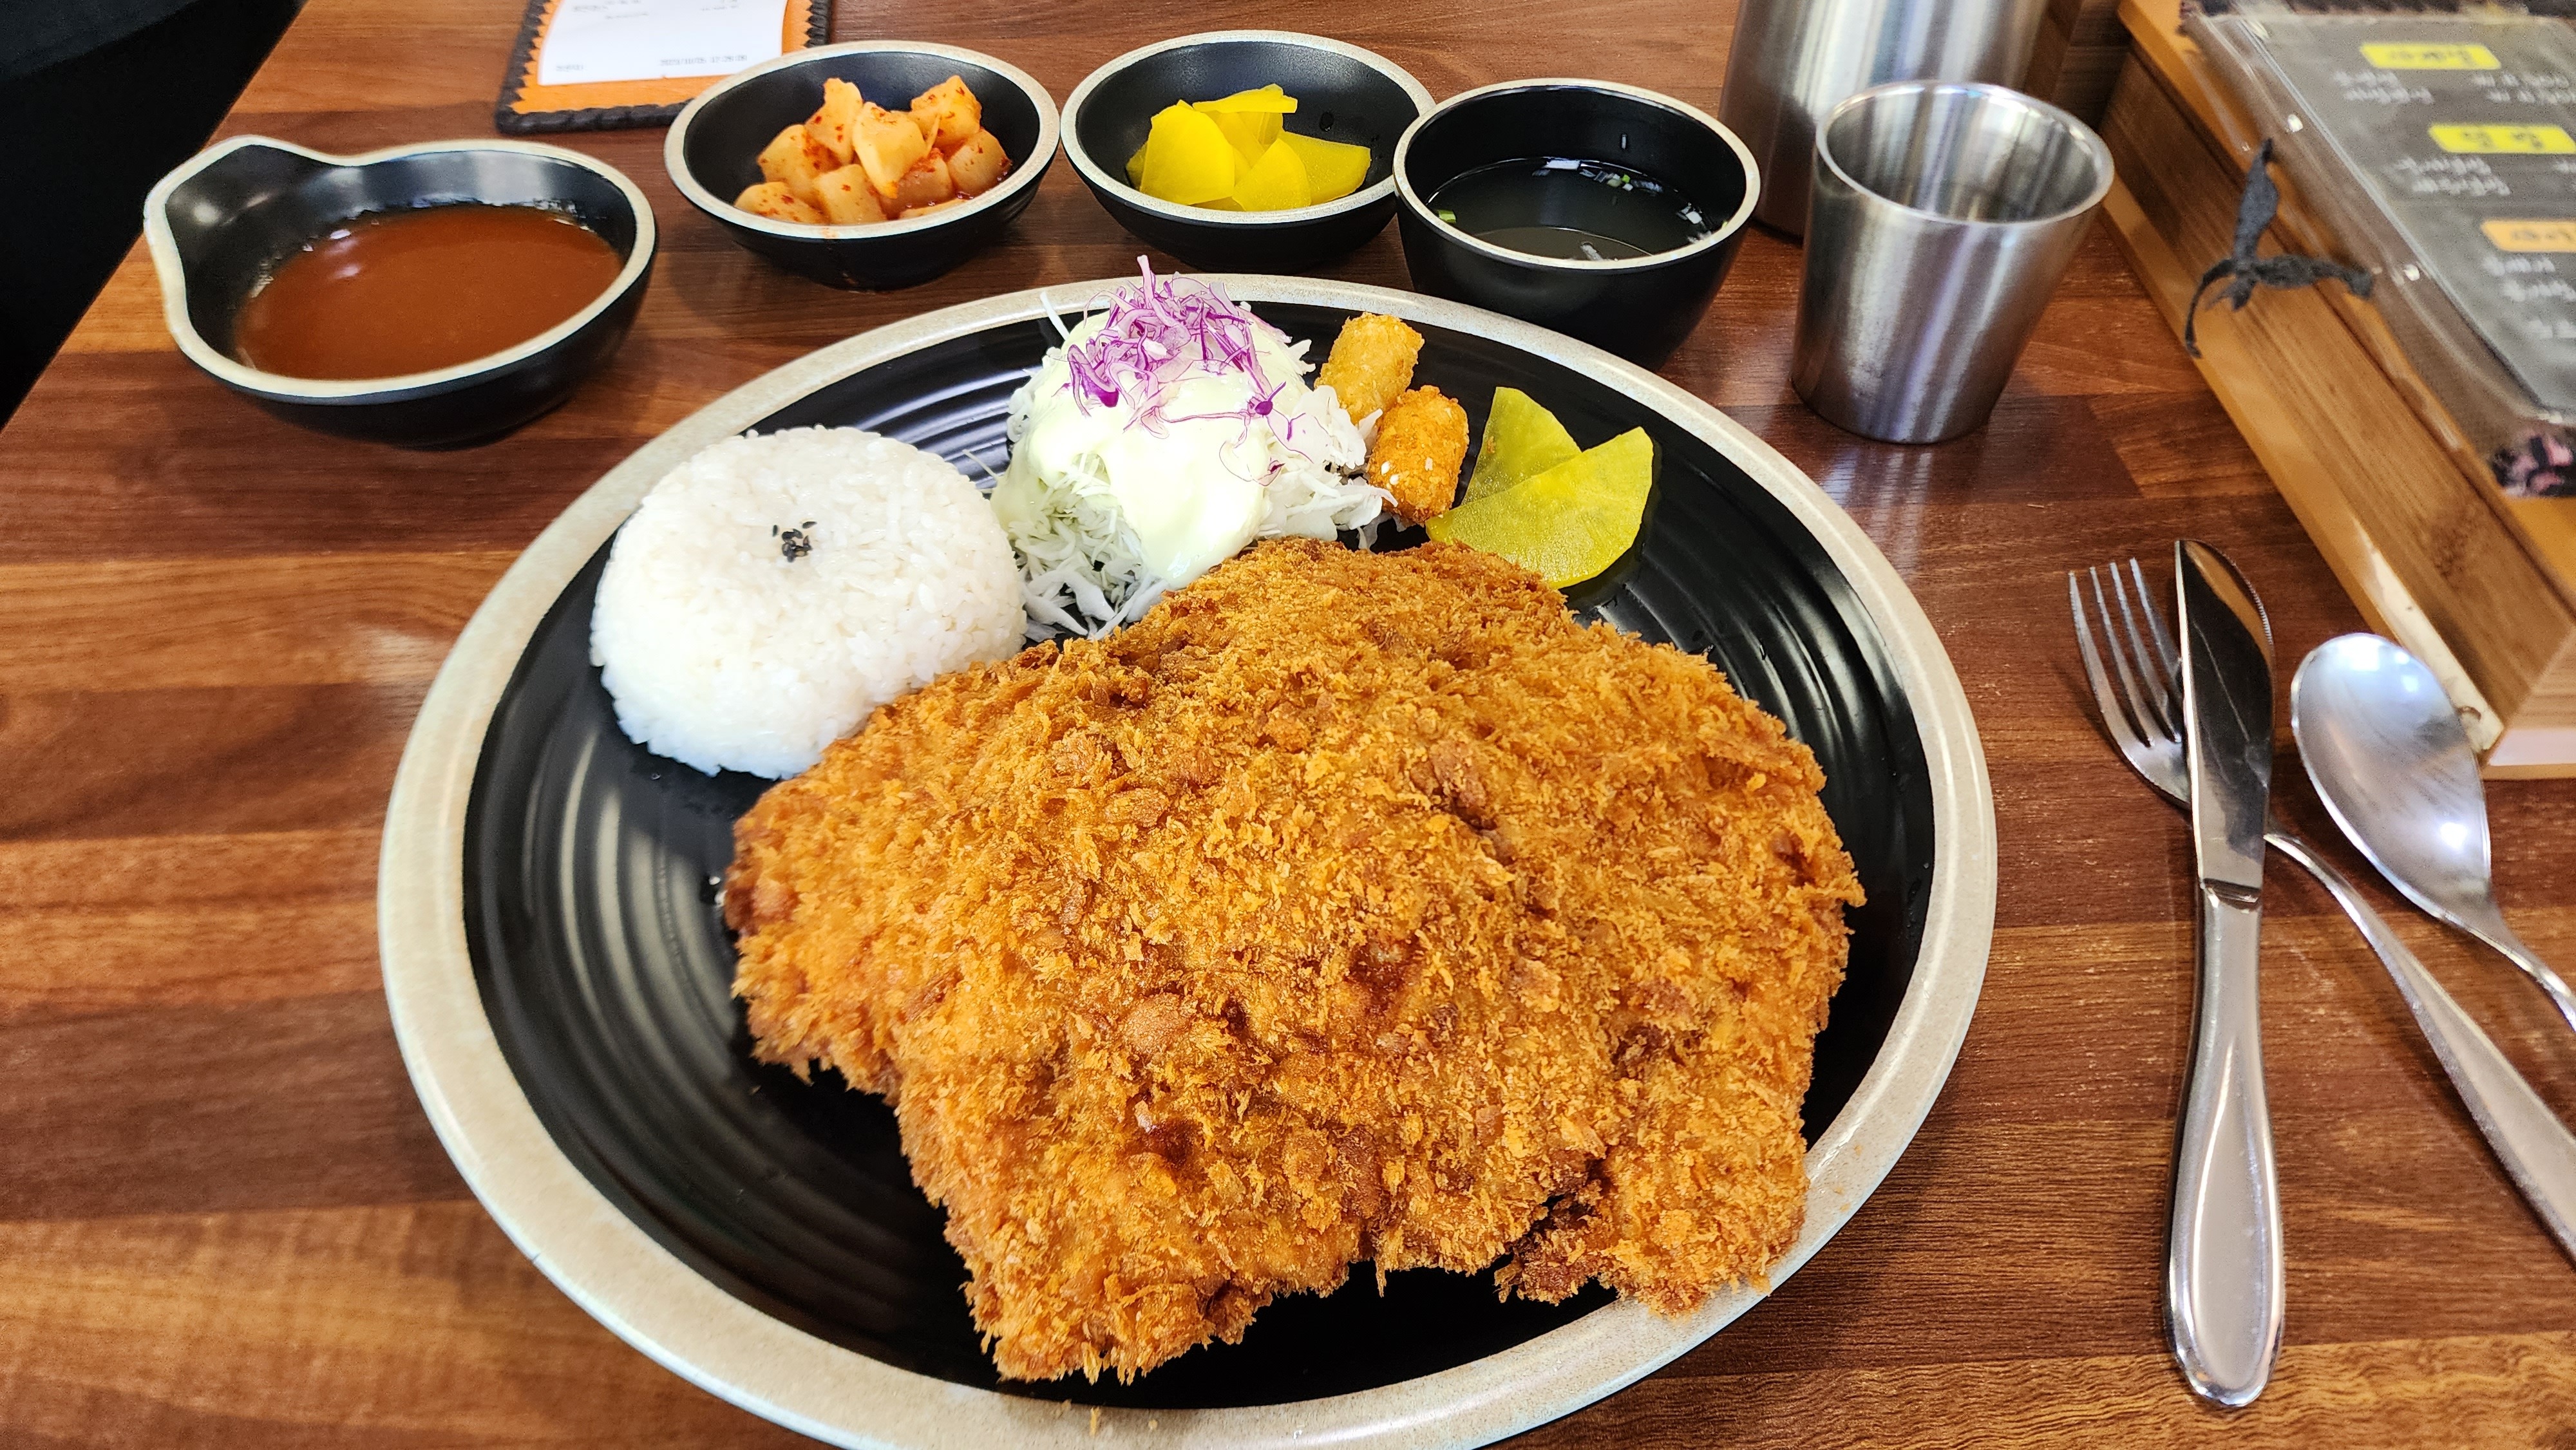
(604,965)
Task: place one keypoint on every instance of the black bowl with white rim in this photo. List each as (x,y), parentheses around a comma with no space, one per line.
(1343,93)
(713,153)
(219,225)
(559,973)
(1638,307)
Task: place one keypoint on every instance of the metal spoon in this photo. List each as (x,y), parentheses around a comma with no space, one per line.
(2388,754)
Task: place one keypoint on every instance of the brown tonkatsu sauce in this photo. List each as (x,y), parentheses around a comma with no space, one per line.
(412,291)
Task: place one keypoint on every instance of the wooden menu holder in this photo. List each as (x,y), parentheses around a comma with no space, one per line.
(2480,586)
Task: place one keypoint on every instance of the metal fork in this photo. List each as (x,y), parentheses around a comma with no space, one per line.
(2144,718)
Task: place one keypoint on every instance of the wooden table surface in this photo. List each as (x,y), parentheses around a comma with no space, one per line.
(224,1219)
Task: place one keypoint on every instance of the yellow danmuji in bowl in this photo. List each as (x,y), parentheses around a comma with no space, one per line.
(1236,154)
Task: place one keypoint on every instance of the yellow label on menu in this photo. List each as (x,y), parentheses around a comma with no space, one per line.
(2430,57)
(2511,140)
(2531,236)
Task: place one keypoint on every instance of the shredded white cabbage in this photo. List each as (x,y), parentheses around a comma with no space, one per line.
(1081,568)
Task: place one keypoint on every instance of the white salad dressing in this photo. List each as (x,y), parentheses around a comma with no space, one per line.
(1124,484)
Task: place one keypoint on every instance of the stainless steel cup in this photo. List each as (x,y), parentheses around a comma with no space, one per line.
(1942,216)
(1794,60)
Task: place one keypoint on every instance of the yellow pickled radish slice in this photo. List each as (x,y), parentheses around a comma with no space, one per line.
(1333,170)
(1269,98)
(1187,159)
(1276,182)
(1251,132)
(1522,440)
(1566,524)
(1136,168)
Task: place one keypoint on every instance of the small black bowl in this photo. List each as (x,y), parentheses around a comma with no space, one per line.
(1343,94)
(714,148)
(221,223)
(1638,307)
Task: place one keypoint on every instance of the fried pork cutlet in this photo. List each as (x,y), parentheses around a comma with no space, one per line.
(1347,907)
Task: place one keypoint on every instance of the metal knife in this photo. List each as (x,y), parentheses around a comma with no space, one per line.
(2223,1249)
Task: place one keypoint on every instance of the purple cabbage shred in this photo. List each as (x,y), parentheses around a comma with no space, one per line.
(1159,331)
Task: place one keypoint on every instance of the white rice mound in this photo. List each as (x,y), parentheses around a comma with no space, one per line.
(723,653)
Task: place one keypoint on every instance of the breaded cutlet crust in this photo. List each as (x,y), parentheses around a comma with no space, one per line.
(1347,907)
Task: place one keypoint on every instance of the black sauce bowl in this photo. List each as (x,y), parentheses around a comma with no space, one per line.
(714,147)
(1638,307)
(1343,94)
(220,224)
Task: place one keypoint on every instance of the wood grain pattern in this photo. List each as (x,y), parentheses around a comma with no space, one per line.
(2076,55)
(302,619)
(224,1220)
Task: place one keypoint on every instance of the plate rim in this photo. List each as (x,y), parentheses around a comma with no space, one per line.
(647,1296)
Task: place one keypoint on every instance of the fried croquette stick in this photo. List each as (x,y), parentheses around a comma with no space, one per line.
(1372,361)
(1421,441)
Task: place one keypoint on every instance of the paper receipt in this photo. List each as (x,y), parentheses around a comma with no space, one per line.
(643,40)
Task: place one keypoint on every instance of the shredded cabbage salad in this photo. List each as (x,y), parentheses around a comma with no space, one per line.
(1192,412)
